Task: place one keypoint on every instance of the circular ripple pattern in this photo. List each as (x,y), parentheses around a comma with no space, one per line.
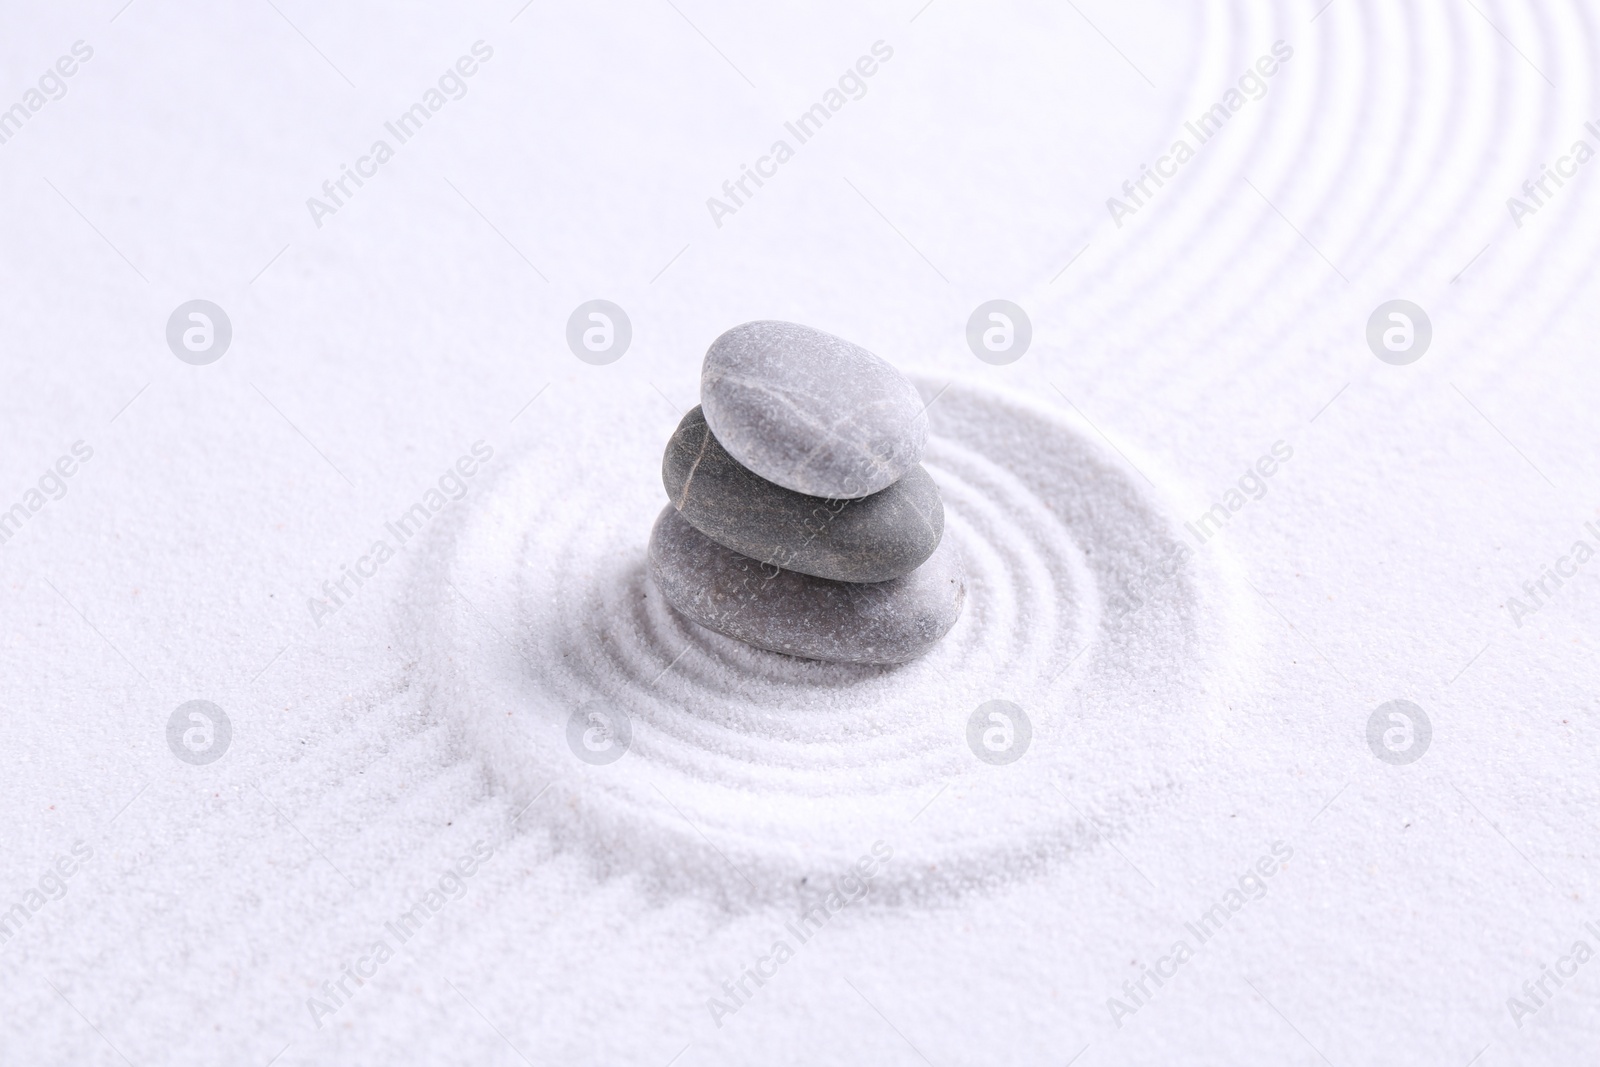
(1377,165)
(747,770)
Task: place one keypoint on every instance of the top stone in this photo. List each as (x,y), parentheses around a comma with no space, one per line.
(811,412)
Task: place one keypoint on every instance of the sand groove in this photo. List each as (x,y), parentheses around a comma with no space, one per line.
(748,769)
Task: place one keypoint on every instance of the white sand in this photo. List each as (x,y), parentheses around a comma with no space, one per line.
(774,769)
(370,753)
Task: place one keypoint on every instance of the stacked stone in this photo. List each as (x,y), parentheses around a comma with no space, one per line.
(801,520)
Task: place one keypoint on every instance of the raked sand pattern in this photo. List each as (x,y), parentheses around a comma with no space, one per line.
(733,770)
(1418,547)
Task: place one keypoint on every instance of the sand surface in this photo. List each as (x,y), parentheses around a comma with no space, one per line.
(398,858)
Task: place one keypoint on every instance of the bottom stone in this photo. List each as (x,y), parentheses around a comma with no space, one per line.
(785,611)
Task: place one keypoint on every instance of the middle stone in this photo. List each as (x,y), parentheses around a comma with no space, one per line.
(871,539)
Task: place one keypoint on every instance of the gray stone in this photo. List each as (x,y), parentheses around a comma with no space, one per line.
(812,412)
(799,614)
(873,539)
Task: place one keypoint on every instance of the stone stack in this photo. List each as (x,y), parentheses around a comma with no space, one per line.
(801,520)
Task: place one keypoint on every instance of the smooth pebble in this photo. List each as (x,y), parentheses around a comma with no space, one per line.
(810,411)
(799,614)
(872,539)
